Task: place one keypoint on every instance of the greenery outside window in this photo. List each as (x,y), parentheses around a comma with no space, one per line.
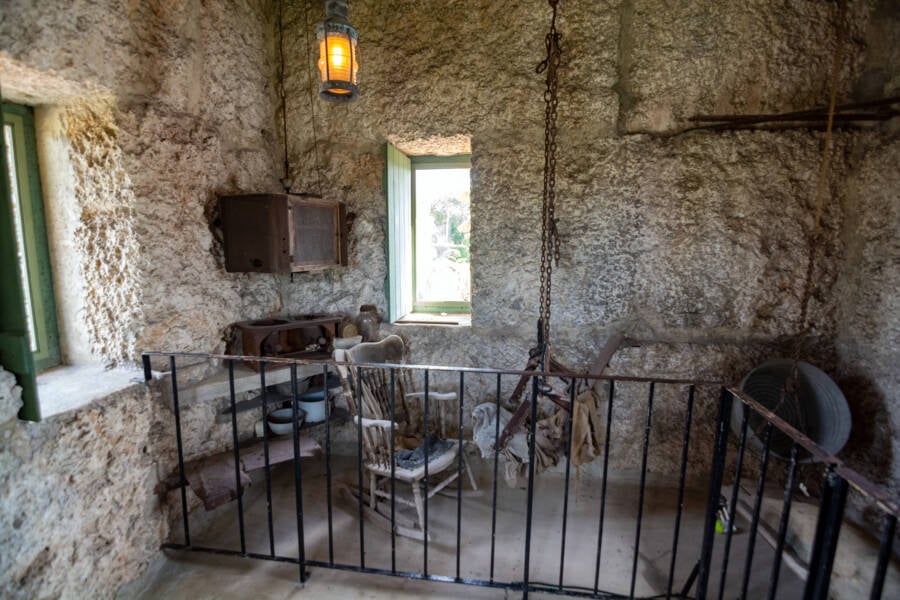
(428,234)
(25,258)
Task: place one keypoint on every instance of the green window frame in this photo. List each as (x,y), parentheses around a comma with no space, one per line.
(28,302)
(399,183)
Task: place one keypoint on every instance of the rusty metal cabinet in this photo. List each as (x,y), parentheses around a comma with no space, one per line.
(282,233)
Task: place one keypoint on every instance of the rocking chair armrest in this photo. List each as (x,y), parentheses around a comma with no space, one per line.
(383,423)
(434,395)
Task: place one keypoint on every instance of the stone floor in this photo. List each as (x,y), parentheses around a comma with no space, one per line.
(194,575)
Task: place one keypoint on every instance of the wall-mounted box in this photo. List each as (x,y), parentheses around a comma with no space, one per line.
(282,233)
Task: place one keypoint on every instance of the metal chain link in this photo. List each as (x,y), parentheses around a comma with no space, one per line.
(549,233)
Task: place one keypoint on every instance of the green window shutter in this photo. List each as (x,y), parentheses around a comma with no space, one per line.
(399,235)
(37,255)
(15,351)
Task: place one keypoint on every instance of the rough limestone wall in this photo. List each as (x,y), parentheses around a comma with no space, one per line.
(869,320)
(209,131)
(168,106)
(165,105)
(679,59)
(79,517)
(105,237)
(659,211)
(694,244)
(10,396)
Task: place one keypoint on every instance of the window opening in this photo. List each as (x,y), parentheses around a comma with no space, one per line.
(429,227)
(442,227)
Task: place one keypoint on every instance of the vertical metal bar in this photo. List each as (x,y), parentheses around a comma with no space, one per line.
(530,506)
(496,459)
(268,466)
(148,372)
(757,506)
(459,465)
(328,499)
(359,466)
(720,450)
(732,505)
(298,475)
(680,505)
(237,457)
(828,529)
(393,470)
(180,446)
(640,515)
(692,576)
(562,549)
(609,407)
(425,481)
(785,517)
(884,555)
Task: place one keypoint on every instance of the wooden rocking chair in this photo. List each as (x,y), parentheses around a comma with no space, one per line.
(373,388)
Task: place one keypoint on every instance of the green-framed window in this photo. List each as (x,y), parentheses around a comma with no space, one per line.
(30,260)
(428,234)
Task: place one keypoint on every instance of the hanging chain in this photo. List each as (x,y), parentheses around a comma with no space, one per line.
(549,233)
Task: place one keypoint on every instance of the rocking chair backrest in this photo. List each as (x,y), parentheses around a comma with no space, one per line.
(374,392)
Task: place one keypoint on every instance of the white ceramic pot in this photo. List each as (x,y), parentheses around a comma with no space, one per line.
(313,403)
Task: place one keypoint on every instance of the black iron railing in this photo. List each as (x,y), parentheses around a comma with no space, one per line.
(761,425)
(679,582)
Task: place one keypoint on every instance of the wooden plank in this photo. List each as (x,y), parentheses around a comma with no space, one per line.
(212,477)
(280,450)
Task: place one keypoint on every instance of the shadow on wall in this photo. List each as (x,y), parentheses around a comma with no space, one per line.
(869,449)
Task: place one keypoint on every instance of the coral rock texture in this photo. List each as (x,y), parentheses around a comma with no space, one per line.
(695,245)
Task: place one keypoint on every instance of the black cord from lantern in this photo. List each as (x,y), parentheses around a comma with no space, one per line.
(312,109)
(286,180)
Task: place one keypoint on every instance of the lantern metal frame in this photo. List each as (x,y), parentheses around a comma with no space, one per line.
(336,23)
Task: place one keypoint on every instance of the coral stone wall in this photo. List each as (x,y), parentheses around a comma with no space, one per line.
(154,108)
(694,237)
(868,335)
(165,106)
(78,516)
(694,244)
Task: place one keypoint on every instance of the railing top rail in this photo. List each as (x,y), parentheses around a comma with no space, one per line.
(417,367)
(878,494)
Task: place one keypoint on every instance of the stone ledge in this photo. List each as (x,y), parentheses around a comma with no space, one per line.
(217,385)
(70,387)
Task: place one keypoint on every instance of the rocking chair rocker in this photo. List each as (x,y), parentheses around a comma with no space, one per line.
(374,390)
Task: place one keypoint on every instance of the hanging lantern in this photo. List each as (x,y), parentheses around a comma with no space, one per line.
(338,54)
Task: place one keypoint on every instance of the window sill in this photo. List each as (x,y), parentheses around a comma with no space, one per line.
(68,387)
(453,320)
